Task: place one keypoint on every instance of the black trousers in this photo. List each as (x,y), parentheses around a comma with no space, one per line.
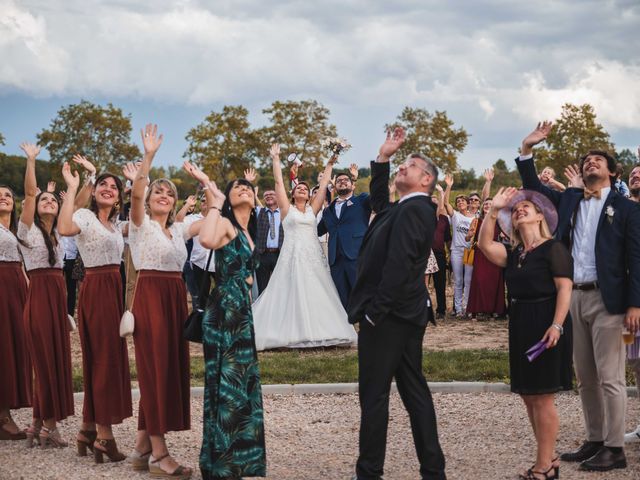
(200,275)
(394,349)
(440,282)
(265,268)
(67,270)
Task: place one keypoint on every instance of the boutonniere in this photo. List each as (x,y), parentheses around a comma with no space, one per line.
(610,212)
(349,203)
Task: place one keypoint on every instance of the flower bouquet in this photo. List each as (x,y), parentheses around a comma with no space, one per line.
(335,145)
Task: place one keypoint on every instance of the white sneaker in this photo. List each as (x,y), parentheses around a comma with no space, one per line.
(633,437)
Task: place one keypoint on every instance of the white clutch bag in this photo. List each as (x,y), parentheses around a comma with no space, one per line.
(72,323)
(127,324)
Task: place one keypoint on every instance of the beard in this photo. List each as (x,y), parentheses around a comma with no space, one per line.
(635,192)
(343,191)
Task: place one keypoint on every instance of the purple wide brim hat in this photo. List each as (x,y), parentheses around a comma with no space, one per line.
(541,201)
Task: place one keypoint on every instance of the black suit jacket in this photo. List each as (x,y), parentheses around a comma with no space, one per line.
(393,257)
(617,238)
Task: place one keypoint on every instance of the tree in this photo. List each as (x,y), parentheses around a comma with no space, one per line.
(299,127)
(504,177)
(1,139)
(628,159)
(224,143)
(12,169)
(572,135)
(465,179)
(433,135)
(102,134)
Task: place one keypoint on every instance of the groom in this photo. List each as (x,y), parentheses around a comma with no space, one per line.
(391,303)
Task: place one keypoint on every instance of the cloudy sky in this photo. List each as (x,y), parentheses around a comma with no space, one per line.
(496,66)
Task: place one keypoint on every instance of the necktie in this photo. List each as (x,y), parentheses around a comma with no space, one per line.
(272,225)
(591,194)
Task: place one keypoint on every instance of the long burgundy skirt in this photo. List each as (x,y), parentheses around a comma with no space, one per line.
(15,387)
(486,294)
(105,362)
(47,330)
(162,356)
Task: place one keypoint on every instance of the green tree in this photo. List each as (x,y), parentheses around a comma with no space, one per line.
(102,134)
(433,135)
(504,177)
(465,179)
(12,169)
(575,133)
(628,159)
(224,143)
(298,127)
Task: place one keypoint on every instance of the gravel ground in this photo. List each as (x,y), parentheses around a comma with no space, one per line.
(484,436)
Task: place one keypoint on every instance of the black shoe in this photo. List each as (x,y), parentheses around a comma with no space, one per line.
(604,460)
(585,452)
(355,477)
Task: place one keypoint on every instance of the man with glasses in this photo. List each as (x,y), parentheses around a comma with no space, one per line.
(345,220)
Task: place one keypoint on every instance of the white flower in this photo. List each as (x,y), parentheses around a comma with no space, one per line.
(610,212)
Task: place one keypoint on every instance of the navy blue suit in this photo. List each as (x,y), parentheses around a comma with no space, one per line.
(345,238)
(617,239)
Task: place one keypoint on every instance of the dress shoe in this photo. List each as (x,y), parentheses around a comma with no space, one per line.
(604,461)
(355,477)
(585,452)
(633,437)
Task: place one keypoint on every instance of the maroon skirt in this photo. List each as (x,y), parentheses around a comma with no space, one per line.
(162,356)
(105,361)
(15,387)
(47,330)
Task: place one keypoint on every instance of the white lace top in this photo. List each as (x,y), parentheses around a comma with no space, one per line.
(97,245)
(151,249)
(35,253)
(8,246)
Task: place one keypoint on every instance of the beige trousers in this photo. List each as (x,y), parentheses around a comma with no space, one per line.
(599,361)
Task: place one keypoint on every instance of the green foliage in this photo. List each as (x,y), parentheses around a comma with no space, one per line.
(433,135)
(12,168)
(504,176)
(102,134)
(185,184)
(628,159)
(573,135)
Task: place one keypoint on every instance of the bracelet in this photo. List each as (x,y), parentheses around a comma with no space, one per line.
(558,327)
(206,187)
(213,207)
(92,179)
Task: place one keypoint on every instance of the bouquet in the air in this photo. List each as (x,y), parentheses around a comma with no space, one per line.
(335,145)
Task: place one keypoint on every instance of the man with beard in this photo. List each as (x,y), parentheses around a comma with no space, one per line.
(345,220)
(602,230)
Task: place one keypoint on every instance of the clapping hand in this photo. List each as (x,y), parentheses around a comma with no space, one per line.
(250,175)
(572,172)
(72,179)
(392,143)
(503,197)
(538,135)
(150,138)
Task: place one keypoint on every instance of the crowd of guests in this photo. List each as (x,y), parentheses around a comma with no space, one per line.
(564,262)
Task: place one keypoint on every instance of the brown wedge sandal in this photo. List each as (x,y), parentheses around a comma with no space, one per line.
(156,471)
(139,461)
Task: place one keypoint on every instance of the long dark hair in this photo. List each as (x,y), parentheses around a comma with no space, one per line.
(50,239)
(115,210)
(13,217)
(227,211)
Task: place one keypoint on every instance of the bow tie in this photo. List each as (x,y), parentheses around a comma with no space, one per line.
(591,194)
(339,200)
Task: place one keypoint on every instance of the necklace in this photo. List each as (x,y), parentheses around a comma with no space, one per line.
(523,253)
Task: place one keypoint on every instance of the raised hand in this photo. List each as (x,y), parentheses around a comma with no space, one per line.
(191,201)
(31,151)
(250,175)
(333,159)
(489,174)
(130,171)
(392,143)
(195,172)
(503,197)
(72,179)
(85,163)
(439,188)
(150,138)
(574,177)
(353,170)
(274,153)
(62,195)
(448,180)
(218,195)
(538,135)
(51,186)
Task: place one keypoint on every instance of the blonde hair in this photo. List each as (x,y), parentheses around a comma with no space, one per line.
(165,183)
(545,231)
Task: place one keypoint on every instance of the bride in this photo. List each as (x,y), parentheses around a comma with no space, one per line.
(300,307)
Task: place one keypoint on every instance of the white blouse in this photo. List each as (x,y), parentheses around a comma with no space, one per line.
(8,246)
(151,249)
(97,245)
(35,254)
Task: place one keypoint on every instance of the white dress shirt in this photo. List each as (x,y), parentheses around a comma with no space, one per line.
(199,254)
(275,241)
(340,203)
(584,237)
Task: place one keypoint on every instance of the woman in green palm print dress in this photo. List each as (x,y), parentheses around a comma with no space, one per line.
(233,434)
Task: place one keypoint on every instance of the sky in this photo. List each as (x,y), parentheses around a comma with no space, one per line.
(496,67)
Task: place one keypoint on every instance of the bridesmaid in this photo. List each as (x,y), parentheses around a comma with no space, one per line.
(233,433)
(45,314)
(160,310)
(105,360)
(15,387)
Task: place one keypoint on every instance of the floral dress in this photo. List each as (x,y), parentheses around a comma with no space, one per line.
(233,435)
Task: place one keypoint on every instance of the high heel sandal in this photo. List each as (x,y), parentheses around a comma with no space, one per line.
(140,461)
(156,471)
(556,467)
(531,474)
(5,435)
(51,438)
(33,435)
(86,442)
(109,448)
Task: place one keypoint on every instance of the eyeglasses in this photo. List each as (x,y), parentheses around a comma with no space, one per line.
(474,200)
(343,180)
(413,163)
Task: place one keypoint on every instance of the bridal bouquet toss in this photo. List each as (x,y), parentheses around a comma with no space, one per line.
(335,145)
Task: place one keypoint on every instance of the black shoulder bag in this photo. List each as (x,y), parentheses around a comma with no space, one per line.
(193,326)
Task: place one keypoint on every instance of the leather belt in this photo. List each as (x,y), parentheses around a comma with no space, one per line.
(271,250)
(585,287)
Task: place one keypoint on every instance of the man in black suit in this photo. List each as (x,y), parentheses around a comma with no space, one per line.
(602,230)
(391,302)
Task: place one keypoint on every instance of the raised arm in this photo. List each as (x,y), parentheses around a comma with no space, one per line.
(189,203)
(30,184)
(472,230)
(318,201)
(151,142)
(66,225)
(83,196)
(379,186)
(495,251)
(448,180)
(440,199)
(488,178)
(281,192)
(250,175)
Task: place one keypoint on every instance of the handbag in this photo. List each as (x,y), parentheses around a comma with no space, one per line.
(192,330)
(469,254)
(127,322)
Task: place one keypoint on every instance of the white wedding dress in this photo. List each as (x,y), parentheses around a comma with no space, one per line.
(300,307)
